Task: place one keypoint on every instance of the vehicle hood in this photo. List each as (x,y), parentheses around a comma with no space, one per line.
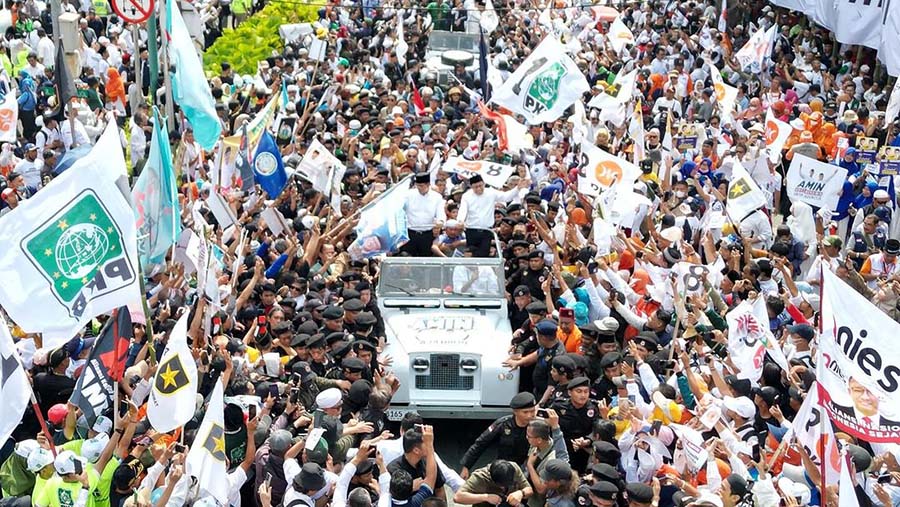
(444,332)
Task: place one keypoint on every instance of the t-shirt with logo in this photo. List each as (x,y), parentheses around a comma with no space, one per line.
(58,493)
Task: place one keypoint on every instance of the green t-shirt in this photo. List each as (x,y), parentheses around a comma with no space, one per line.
(39,484)
(100,496)
(58,493)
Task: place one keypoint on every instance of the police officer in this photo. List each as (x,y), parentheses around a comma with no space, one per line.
(576,419)
(533,276)
(549,347)
(607,385)
(562,370)
(518,310)
(507,433)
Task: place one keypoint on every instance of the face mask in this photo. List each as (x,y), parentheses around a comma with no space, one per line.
(353,132)
(426,127)
(680,194)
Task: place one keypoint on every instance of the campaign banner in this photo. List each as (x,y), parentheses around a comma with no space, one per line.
(889,160)
(493,174)
(858,369)
(382,224)
(867,149)
(816,437)
(815,183)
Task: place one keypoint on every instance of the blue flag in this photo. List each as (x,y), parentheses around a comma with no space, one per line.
(189,86)
(483,68)
(268,168)
(155,196)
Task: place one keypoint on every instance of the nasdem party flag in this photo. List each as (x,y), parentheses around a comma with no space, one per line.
(71,250)
(858,369)
(268,168)
(189,86)
(174,390)
(544,85)
(155,197)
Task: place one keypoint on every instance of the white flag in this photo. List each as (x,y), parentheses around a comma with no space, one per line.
(493,174)
(600,171)
(489,18)
(71,250)
(893,107)
(752,57)
(9,117)
(544,85)
(621,91)
(636,132)
(858,369)
(746,332)
(402,47)
(860,22)
(723,17)
(321,168)
(744,195)
(808,427)
(206,459)
(846,490)
(889,53)
(619,35)
(777,134)
(725,95)
(15,391)
(173,396)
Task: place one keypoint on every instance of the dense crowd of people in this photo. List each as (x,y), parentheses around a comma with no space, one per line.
(630,393)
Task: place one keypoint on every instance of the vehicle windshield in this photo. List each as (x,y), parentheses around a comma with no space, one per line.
(467,280)
(444,41)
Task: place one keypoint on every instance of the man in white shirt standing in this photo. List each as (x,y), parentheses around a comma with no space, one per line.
(30,168)
(476,211)
(424,213)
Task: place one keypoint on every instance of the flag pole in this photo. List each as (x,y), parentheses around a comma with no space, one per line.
(151,357)
(43,423)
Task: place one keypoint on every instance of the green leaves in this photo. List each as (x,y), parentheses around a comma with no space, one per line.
(256,38)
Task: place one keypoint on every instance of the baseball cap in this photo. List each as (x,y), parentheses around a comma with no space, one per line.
(92,448)
(741,405)
(67,462)
(38,459)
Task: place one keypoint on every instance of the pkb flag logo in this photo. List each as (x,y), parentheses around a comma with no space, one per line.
(80,252)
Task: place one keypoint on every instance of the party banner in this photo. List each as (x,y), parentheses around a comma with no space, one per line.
(815,183)
(492,173)
(867,149)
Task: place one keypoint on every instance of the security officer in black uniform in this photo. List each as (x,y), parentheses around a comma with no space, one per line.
(524,342)
(507,433)
(319,360)
(576,419)
(562,371)
(518,308)
(517,252)
(352,309)
(606,386)
(549,347)
(533,276)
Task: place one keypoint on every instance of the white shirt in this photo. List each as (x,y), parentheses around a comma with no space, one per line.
(291,469)
(81,135)
(46,52)
(756,226)
(343,486)
(31,171)
(483,280)
(423,211)
(477,211)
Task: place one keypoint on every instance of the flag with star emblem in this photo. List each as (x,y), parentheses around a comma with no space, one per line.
(744,195)
(14,387)
(71,250)
(173,395)
(206,459)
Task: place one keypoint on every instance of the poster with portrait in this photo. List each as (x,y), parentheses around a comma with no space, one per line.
(889,160)
(867,148)
(688,135)
(815,183)
(284,129)
(858,368)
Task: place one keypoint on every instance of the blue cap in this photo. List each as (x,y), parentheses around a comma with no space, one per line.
(546,327)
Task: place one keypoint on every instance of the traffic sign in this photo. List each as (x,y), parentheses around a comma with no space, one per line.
(133,11)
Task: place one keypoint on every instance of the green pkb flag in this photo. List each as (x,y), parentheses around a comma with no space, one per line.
(69,248)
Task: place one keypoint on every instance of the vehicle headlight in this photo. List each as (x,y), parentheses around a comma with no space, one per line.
(420,364)
(468,365)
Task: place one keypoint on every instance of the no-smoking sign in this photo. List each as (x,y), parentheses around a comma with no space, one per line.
(133,11)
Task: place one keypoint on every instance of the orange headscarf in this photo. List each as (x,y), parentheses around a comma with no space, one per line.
(115,88)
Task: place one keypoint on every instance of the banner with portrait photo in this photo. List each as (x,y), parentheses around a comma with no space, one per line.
(382,224)
(889,157)
(866,149)
(858,369)
(494,174)
(815,183)
(688,136)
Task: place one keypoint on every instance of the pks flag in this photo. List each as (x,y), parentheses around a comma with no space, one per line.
(744,195)
(857,368)
(206,459)
(72,248)
(155,197)
(242,162)
(189,86)
(636,132)
(725,95)
(268,168)
(600,171)
(15,390)
(9,116)
(777,134)
(95,388)
(619,35)
(174,390)
(619,92)
(752,57)
(544,85)
(382,224)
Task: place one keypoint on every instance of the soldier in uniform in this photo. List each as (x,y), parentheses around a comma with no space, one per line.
(332,319)
(600,494)
(576,419)
(518,252)
(320,362)
(310,385)
(507,433)
(352,309)
(607,385)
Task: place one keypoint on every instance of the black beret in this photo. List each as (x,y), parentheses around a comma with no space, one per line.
(349,294)
(521,290)
(536,254)
(522,400)
(308,327)
(606,452)
(353,305)
(333,313)
(610,359)
(578,382)
(536,307)
(647,340)
(605,472)
(518,243)
(353,364)
(364,467)
(563,364)
(336,336)
(639,492)
(604,490)
(282,327)
(300,340)
(363,345)
(365,319)
(316,341)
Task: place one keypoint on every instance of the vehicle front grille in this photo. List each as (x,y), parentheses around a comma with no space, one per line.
(444,375)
